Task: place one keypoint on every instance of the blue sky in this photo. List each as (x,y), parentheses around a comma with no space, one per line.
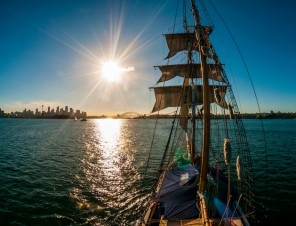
(52,52)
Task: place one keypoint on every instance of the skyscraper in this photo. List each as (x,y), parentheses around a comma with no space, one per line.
(77,113)
(71,112)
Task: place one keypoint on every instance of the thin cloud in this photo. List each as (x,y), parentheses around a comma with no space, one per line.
(128,69)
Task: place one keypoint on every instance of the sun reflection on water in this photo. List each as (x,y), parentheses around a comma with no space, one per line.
(109,181)
(108,133)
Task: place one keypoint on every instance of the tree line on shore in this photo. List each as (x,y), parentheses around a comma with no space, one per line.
(277,115)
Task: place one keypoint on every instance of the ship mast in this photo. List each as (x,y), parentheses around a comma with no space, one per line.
(190,62)
(202,40)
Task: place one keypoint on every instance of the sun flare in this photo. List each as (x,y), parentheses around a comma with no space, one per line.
(111,71)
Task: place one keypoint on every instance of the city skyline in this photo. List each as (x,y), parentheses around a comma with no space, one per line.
(53,53)
(49,113)
(72,113)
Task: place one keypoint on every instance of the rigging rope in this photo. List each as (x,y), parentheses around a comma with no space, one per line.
(264,138)
(206,13)
(151,146)
(226,209)
(236,206)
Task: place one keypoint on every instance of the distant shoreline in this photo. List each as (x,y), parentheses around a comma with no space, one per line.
(148,117)
(271,115)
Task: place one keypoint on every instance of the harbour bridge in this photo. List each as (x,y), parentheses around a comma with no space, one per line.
(130,115)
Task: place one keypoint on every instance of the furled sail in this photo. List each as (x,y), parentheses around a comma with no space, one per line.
(175,96)
(227,151)
(239,168)
(185,71)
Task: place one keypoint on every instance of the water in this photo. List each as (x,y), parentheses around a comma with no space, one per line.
(61,172)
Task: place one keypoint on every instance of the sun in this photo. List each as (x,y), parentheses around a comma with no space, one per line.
(111,71)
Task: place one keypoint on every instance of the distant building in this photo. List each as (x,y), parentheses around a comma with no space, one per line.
(37,113)
(77,114)
(1,113)
(30,113)
(83,114)
(49,113)
(71,112)
(18,114)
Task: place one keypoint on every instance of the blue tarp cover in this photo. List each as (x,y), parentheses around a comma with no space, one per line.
(178,194)
(220,200)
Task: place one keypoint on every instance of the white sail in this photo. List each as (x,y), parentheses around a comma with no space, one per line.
(195,167)
(174,96)
(186,71)
(179,42)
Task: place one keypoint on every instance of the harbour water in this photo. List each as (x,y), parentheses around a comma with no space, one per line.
(61,172)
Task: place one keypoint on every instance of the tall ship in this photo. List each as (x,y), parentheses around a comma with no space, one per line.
(205,174)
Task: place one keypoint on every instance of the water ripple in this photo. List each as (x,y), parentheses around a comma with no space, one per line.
(60,172)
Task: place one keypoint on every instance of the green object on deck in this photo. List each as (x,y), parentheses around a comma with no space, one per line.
(181,158)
